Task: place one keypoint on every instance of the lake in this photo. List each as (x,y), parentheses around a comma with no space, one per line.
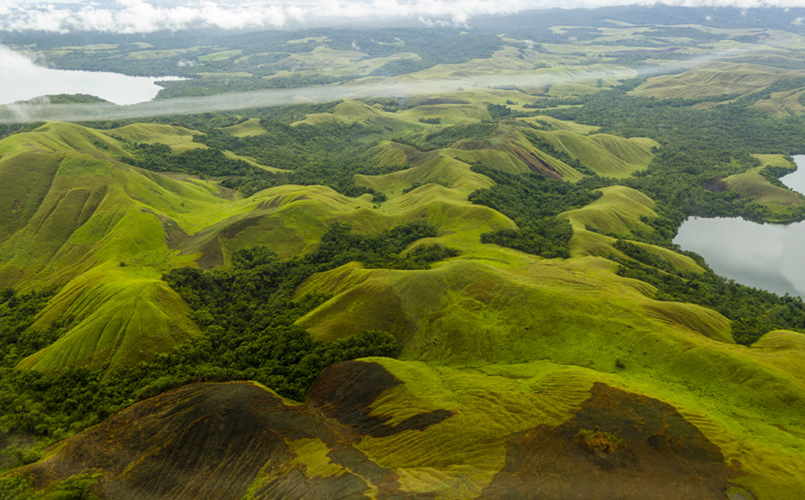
(21,79)
(767,256)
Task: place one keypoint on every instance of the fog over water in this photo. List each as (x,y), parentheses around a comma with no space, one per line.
(768,256)
(135,92)
(22,79)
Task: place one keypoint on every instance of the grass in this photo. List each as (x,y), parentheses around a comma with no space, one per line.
(311,453)
(781,202)
(438,168)
(716,79)
(782,104)
(178,138)
(26,179)
(159,54)
(115,319)
(558,124)
(618,212)
(350,111)
(751,184)
(221,55)
(464,348)
(457,457)
(247,128)
(323,60)
(61,137)
(504,340)
(607,155)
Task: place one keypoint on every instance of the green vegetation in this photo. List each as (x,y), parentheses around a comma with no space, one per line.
(753,312)
(322,154)
(447,136)
(698,146)
(246,315)
(205,162)
(270,244)
(599,441)
(532,201)
(17,313)
(73,488)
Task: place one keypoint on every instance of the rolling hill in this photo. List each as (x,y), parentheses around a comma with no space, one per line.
(186,301)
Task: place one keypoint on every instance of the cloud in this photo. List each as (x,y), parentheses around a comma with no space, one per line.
(144,16)
(141,16)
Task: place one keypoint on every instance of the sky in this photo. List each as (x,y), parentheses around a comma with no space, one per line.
(145,16)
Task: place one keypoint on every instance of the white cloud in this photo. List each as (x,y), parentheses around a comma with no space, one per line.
(143,16)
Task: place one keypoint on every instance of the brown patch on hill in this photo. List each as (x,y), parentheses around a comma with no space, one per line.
(534,162)
(416,157)
(715,185)
(618,445)
(199,441)
(174,234)
(212,254)
(217,440)
(232,230)
(349,403)
(220,440)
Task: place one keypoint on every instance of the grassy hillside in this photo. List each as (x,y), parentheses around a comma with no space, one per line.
(715,80)
(191,251)
(462,315)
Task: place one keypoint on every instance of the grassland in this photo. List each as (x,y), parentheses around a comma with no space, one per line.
(499,342)
(782,202)
(715,80)
(481,334)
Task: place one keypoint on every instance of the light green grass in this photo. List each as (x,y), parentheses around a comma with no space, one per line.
(618,211)
(221,55)
(607,155)
(483,318)
(558,124)
(751,184)
(115,317)
(25,179)
(158,54)
(178,138)
(436,168)
(716,79)
(247,128)
(57,137)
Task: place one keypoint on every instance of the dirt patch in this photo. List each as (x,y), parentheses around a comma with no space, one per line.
(618,445)
(237,227)
(715,185)
(212,254)
(350,402)
(199,441)
(174,234)
(535,164)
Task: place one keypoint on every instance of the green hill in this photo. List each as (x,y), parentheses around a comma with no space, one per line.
(515,373)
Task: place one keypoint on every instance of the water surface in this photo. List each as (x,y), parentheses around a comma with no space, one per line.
(767,256)
(21,79)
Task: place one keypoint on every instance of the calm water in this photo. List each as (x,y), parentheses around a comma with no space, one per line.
(768,256)
(21,79)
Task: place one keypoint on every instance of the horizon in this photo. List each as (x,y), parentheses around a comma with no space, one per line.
(148,16)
